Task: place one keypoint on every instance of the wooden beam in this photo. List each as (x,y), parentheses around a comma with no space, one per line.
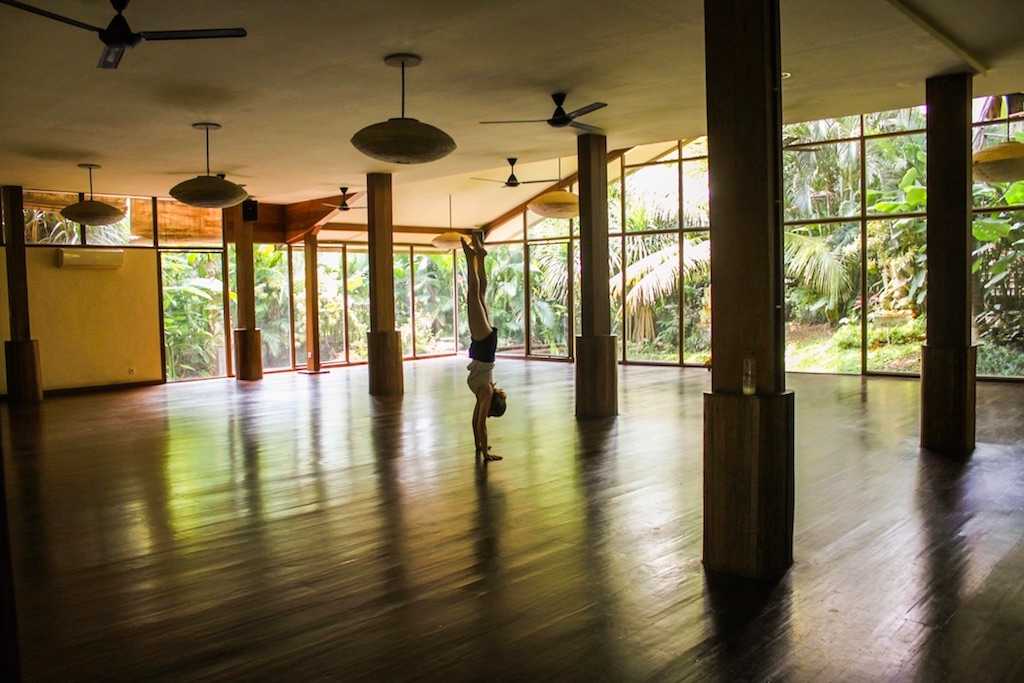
(247,338)
(948,41)
(596,368)
(411,229)
(312,274)
(560,185)
(949,357)
(24,374)
(748,415)
(301,218)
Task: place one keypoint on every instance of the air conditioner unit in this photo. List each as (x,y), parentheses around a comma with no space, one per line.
(93,259)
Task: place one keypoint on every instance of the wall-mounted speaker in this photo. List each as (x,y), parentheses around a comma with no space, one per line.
(250,210)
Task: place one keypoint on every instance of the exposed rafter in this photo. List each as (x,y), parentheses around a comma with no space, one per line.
(311,215)
(933,30)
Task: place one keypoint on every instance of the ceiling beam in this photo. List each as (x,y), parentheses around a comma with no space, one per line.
(560,185)
(411,229)
(309,216)
(941,36)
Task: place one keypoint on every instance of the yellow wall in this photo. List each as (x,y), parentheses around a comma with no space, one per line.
(95,327)
(5,323)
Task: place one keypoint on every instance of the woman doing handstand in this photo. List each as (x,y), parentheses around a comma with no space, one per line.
(490,400)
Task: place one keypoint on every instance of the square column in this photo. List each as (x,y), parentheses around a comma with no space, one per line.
(312,275)
(24,374)
(384,343)
(949,356)
(247,337)
(597,387)
(748,415)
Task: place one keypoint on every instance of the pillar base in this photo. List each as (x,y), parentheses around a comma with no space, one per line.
(24,373)
(748,484)
(384,361)
(948,399)
(248,354)
(597,377)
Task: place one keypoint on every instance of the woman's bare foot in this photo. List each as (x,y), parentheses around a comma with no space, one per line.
(487,455)
(478,242)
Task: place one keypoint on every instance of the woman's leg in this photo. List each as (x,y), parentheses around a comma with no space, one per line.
(479,321)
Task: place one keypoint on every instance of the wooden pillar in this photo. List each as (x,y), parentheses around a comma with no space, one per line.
(309,253)
(597,393)
(24,373)
(748,425)
(247,337)
(384,343)
(949,355)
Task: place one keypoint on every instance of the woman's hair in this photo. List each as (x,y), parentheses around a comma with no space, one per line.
(498,403)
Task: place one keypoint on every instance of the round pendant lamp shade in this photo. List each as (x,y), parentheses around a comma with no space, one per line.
(447,241)
(89,211)
(403,140)
(1000,164)
(209,191)
(556,204)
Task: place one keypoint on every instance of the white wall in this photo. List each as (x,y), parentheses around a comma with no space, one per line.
(95,327)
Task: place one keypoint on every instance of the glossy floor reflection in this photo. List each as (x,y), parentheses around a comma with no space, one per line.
(296,529)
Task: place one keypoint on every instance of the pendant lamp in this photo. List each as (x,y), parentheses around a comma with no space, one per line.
(557,203)
(403,140)
(447,241)
(1002,163)
(209,191)
(89,211)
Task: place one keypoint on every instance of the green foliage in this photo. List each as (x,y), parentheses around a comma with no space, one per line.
(193,314)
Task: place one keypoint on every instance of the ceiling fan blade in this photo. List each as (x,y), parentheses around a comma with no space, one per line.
(489,180)
(51,15)
(593,106)
(519,121)
(111,57)
(585,127)
(332,206)
(195,34)
(527,182)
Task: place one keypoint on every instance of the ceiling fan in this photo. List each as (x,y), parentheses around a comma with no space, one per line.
(118,35)
(561,119)
(512,181)
(343,206)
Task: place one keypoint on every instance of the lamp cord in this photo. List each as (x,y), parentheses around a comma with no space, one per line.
(90,184)
(403,88)
(207,151)
(449,212)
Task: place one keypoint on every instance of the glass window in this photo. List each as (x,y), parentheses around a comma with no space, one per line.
(331,295)
(912,118)
(656,151)
(180,225)
(652,298)
(549,299)
(896,288)
(696,194)
(358,302)
(134,230)
(999,293)
(43,222)
(403,298)
(896,174)
(696,297)
(823,298)
(505,295)
(614,197)
(273,305)
(652,197)
(298,256)
(538,227)
(614,288)
(997,194)
(698,147)
(434,301)
(460,301)
(821,130)
(822,181)
(193,290)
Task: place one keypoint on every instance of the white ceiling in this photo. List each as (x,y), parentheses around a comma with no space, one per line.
(310,74)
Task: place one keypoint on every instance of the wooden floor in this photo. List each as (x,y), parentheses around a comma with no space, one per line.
(295,529)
